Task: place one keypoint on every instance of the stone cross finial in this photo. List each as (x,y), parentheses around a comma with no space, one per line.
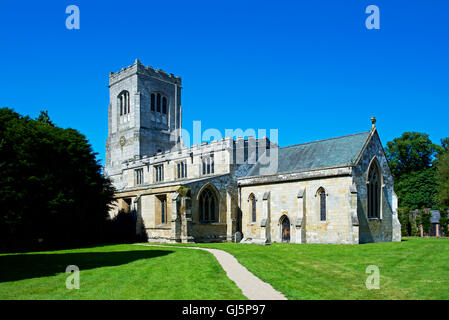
(373,121)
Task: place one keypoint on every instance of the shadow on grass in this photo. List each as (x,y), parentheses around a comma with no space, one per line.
(26,266)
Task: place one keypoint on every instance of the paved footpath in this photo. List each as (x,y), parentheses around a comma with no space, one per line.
(252,287)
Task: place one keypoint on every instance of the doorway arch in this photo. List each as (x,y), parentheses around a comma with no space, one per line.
(285,229)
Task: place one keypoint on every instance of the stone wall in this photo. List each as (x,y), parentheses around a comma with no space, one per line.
(375,229)
(225,189)
(298,201)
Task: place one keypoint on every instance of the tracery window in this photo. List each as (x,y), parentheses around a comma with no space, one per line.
(208,206)
(373,191)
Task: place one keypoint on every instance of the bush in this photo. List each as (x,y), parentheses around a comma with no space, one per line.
(425,220)
(403,216)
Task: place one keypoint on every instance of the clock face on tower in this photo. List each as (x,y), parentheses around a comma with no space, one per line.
(122,141)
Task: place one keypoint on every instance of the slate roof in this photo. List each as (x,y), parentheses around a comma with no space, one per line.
(317,154)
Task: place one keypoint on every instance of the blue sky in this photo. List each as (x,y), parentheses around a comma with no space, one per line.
(310,69)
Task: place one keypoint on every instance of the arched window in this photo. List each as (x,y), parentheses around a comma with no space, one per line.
(208,206)
(373,191)
(253,212)
(153,102)
(158,106)
(322,198)
(123,99)
(285,228)
(164,105)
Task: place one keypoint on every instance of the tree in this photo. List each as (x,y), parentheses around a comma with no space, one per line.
(413,151)
(417,189)
(52,190)
(445,144)
(444,220)
(45,118)
(410,158)
(442,177)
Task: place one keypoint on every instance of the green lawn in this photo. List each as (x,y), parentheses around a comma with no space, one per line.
(116,272)
(412,269)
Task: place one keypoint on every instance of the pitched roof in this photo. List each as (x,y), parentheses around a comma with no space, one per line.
(317,154)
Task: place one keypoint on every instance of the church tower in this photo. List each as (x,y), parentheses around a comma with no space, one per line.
(144,114)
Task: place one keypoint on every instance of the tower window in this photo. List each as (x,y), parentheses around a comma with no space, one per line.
(153,102)
(158,107)
(164,105)
(123,99)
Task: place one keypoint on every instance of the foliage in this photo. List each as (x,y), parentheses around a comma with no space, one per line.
(417,189)
(442,177)
(444,221)
(410,158)
(183,191)
(45,118)
(413,220)
(413,151)
(410,152)
(52,191)
(424,220)
(445,144)
(403,216)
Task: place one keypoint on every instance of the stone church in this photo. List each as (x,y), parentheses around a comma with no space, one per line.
(246,190)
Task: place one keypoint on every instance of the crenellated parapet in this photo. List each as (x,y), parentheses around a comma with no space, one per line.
(148,71)
(225,144)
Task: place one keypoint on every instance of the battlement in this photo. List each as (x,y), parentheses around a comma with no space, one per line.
(149,71)
(227,143)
